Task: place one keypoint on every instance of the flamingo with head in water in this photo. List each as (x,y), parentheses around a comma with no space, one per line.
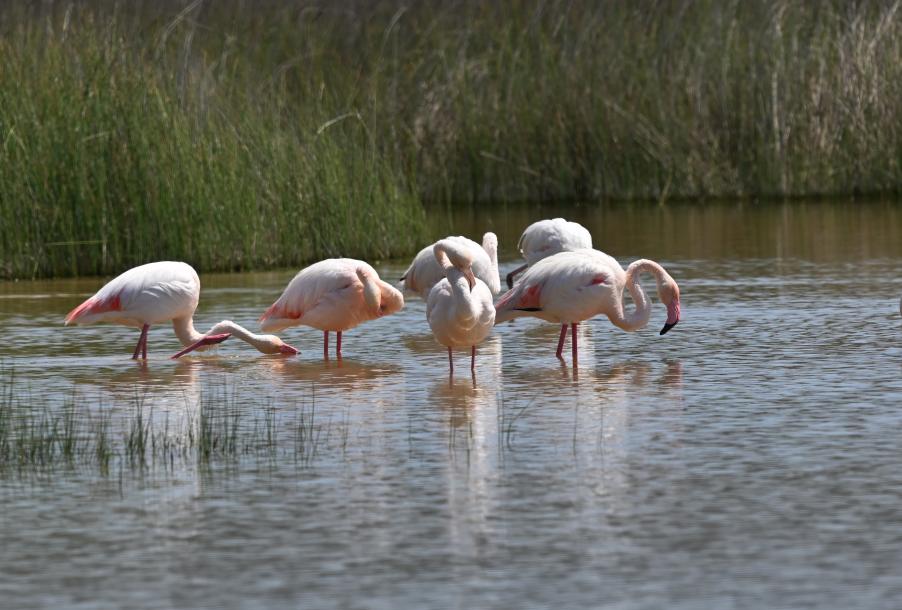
(544,238)
(425,272)
(159,292)
(336,294)
(459,307)
(570,287)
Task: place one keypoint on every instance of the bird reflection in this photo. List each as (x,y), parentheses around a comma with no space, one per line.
(346,373)
(473,438)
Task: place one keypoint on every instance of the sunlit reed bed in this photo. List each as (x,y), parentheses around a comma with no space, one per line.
(240,135)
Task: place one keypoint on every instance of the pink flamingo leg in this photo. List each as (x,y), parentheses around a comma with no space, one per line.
(450,362)
(560,343)
(338,346)
(144,346)
(473,359)
(142,342)
(325,345)
(573,341)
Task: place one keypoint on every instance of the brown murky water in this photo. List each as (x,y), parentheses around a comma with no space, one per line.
(749,458)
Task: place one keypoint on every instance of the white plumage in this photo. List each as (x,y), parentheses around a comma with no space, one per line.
(335,294)
(425,272)
(570,287)
(545,238)
(459,307)
(158,292)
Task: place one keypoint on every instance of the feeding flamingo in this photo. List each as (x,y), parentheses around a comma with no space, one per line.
(459,307)
(570,287)
(159,292)
(335,294)
(425,272)
(543,238)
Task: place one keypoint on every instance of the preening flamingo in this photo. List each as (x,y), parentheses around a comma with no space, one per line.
(159,292)
(335,294)
(570,287)
(425,272)
(544,238)
(459,307)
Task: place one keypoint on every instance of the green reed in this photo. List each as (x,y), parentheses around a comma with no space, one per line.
(242,135)
(78,432)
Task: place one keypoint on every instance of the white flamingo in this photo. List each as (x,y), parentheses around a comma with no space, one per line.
(425,272)
(159,292)
(570,287)
(544,238)
(335,294)
(459,307)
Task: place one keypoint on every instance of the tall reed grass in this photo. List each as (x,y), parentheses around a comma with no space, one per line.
(238,135)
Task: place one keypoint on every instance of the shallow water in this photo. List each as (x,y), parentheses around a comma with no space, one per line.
(749,458)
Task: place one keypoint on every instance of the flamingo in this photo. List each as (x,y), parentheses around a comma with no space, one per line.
(459,307)
(159,292)
(333,294)
(570,287)
(425,272)
(543,238)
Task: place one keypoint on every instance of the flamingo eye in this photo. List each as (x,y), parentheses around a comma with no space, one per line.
(598,279)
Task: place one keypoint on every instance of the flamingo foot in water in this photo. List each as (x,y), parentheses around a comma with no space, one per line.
(208,340)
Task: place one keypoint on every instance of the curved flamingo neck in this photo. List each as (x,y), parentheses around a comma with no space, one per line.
(185,331)
(459,286)
(639,316)
(261,342)
(372,292)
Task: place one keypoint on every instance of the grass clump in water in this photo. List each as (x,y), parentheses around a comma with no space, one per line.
(217,428)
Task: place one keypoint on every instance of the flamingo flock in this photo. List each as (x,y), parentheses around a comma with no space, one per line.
(564,281)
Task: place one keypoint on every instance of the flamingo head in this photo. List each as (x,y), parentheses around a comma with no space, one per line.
(669,294)
(390,299)
(274,345)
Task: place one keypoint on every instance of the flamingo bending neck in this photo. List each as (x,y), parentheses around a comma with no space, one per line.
(640,315)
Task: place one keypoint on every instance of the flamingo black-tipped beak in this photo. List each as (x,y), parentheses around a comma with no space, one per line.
(204,341)
(288,350)
(668,327)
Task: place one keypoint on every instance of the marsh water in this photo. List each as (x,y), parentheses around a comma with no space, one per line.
(752,457)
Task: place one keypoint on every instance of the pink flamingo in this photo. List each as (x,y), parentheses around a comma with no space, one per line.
(159,292)
(334,294)
(570,287)
(459,308)
(543,238)
(425,272)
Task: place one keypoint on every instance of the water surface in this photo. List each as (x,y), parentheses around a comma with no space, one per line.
(749,458)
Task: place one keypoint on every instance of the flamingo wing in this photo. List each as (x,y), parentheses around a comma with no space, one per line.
(547,237)
(310,291)
(568,287)
(148,294)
